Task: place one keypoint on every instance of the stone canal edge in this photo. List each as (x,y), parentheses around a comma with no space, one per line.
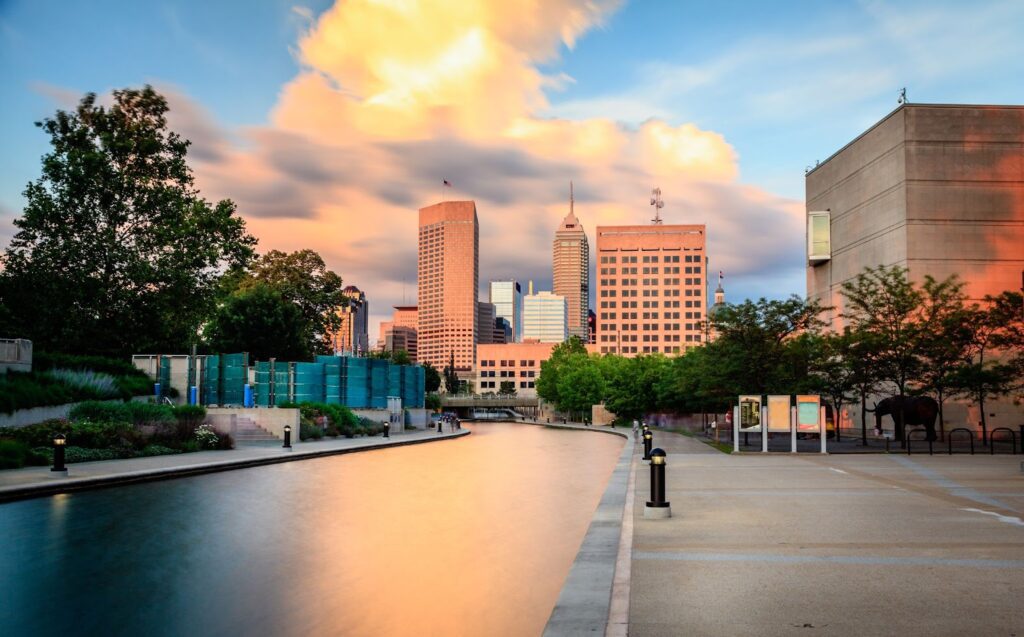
(37,490)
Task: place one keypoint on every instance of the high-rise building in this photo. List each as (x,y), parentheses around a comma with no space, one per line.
(352,336)
(448,266)
(502,331)
(507,298)
(515,364)
(484,323)
(545,317)
(571,270)
(651,284)
(401,331)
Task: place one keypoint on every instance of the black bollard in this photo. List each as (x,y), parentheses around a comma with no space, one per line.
(58,453)
(387,429)
(648,440)
(658,479)
(287,438)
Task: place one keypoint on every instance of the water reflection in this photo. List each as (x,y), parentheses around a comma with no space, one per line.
(467,537)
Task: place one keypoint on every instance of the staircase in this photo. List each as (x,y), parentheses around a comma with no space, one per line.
(247,431)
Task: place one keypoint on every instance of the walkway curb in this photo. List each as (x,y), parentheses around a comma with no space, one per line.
(584,604)
(61,485)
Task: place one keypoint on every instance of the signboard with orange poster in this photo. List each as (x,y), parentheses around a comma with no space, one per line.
(778,414)
(808,418)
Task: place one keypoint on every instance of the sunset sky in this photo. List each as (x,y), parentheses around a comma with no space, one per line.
(330,124)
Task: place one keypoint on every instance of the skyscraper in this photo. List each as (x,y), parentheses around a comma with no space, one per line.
(352,336)
(650,288)
(544,317)
(571,270)
(400,332)
(448,265)
(507,298)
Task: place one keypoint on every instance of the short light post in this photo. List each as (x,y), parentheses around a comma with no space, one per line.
(387,430)
(287,438)
(657,506)
(648,441)
(58,454)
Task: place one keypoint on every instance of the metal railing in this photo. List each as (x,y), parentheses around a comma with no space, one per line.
(992,440)
(970,437)
(908,439)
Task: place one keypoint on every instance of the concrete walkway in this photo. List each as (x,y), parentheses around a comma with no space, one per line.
(32,482)
(836,545)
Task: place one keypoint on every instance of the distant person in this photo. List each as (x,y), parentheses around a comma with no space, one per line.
(636,429)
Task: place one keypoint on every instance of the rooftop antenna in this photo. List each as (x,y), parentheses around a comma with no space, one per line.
(658,205)
(903,96)
(570,197)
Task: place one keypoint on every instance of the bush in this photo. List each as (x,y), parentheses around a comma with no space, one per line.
(192,414)
(206,437)
(80,454)
(43,361)
(157,450)
(99,384)
(100,411)
(432,401)
(40,434)
(15,454)
(370,427)
(310,432)
(19,390)
(130,386)
(150,414)
(101,434)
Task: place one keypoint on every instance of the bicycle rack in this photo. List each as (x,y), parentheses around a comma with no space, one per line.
(911,433)
(992,440)
(970,436)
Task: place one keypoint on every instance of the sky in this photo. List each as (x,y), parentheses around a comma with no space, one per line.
(331,123)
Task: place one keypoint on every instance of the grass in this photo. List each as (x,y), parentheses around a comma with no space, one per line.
(721,446)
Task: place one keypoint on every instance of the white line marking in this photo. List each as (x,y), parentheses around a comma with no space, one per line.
(838,471)
(1008,519)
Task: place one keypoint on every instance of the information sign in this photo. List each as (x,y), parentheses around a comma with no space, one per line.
(807,414)
(750,413)
(778,414)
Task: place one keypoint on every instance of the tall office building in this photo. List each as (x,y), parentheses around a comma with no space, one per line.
(448,264)
(651,285)
(507,298)
(545,317)
(484,323)
(571,270)
(401,331)
(352,336)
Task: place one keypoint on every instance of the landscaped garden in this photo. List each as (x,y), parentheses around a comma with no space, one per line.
(97,430)
(62,379)
(320,419)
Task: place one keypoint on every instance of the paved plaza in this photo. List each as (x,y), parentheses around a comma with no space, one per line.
(784,544)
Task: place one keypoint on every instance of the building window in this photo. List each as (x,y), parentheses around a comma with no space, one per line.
(819,237)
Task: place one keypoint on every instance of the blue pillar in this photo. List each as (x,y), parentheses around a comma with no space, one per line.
(247,396)
(156,390)
(193,395)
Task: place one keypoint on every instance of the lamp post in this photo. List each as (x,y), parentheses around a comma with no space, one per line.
(648,440)
(58,454)
(287,438)
(657,506)
(387,429)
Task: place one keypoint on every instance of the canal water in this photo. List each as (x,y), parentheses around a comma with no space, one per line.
(473,536)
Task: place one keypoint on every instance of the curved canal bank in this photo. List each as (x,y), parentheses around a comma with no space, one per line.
(474,536)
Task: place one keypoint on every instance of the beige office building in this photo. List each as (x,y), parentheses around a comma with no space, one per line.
(571,271)
(937,189)
(516,363)
(448,264)
(651,288)
(401,331)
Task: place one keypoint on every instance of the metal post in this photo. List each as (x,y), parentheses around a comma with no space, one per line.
(657,506)
(792,429)
(823,428)
(1022,439)
(764,429)
(387,430)
(984,433)
(736,428)
(58,454)
(287,438)
(648,441)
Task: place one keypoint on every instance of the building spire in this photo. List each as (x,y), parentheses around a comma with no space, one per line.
(571,202)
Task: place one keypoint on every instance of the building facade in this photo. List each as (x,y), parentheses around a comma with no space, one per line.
(936,189)
(352,336)
(401,331)
(651,288)
(485,321)
(448,267)
(571,270)
(545,317)
(507,298)
(516,363)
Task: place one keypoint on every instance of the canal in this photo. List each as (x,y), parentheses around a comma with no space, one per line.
(473,536)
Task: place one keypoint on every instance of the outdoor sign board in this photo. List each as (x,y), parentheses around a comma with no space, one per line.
(778,414)
(750,413)
(807,416)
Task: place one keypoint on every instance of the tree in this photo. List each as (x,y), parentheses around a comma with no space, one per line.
(116,252)
(302,277)
(631,388)
(835,375)
(260,321)
(400,357)
(548,383)
(581,385)
(431,378)
(884,302)
(451,376)
(944,339)
(507,388)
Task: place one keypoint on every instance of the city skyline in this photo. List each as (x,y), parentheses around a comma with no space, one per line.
(722,108)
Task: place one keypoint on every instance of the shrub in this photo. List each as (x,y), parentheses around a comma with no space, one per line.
(101,434)
(134,386)
(307,432)
(332,431)
(19,390)
(157,450)
(80,454)
(370,427)
(15,454)
(114,366)
(101,411)
(150,414)
(225,442)
(206,437)
(193,414)
(98,384)
(432,401)
(40,434)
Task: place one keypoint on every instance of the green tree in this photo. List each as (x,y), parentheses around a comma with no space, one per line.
(832,368)
(400,357)
(884,302)
(548,381)
(580,384)
(302,277)
(451,376)
(431,378)
(260,321)
(116,252)
(632,384)
(944,340)
(507,388)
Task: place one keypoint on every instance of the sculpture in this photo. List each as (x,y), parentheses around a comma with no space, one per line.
(908,410)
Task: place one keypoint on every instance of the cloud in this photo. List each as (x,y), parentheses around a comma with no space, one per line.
(395,95)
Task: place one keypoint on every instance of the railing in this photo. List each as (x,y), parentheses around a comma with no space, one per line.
(992,440)
(908,438)
(970,437)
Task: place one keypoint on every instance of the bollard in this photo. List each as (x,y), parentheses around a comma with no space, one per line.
(387,429)
(648,439)
(657,507)
(287,438)
(58,454)
(1022,439)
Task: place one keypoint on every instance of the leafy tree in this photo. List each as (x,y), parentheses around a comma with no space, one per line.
(432,378)
(116,252)
(632,384)
(834,372)
(260,321)
(507,388)
(400,357)
(302,277)
(884,302)
(548,381)
(944,338)
(581,384)
(451,376)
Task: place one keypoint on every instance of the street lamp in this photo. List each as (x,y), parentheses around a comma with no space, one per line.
(648,441)
(58,454)
(657,506)
(287,438)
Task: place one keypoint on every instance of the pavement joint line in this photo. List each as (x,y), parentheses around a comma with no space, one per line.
(854,560)
(1008,519)
(952,488)
(68,485)
(618,610)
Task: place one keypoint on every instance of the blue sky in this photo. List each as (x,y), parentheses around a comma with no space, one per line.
(782,85)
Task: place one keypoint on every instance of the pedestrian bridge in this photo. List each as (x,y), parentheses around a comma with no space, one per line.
(470,406)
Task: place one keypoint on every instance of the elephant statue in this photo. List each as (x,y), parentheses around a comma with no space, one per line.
(906,411)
